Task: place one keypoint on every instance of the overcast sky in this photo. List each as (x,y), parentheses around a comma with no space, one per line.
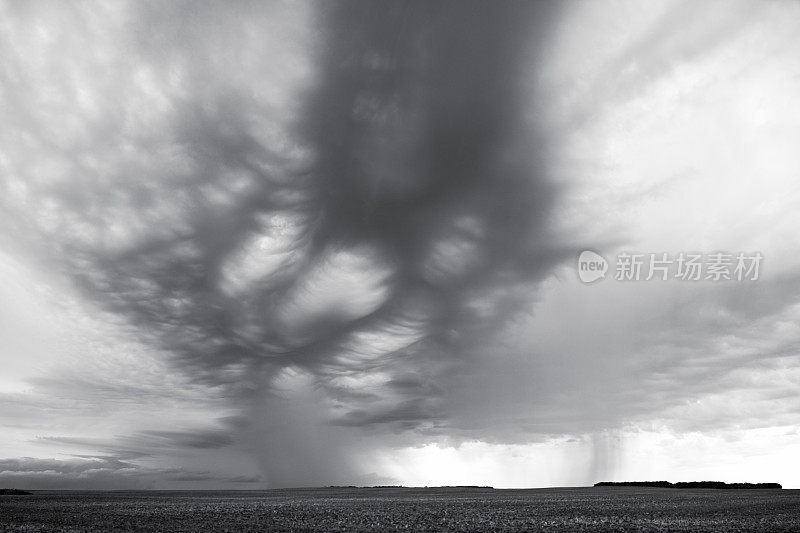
(271,244)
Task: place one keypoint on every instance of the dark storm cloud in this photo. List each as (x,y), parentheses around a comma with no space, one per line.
(333,217)
(251,195)
(350,189)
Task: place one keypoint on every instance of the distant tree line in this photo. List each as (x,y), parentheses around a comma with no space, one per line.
(689,485)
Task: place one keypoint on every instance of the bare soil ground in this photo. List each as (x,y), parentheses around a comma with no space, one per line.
(407,509)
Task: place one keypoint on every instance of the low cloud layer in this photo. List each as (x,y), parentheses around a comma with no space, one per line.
(101,473)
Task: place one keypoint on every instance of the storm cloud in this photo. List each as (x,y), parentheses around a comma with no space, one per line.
(346,191)
(311,237)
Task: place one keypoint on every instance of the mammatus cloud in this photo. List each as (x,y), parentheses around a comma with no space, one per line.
(338,196)
(348,224)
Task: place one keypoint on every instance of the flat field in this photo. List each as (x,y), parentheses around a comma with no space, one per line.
(407,509)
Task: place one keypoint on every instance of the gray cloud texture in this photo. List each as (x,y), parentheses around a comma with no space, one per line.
(350,190)
(99,473)
(337,217)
